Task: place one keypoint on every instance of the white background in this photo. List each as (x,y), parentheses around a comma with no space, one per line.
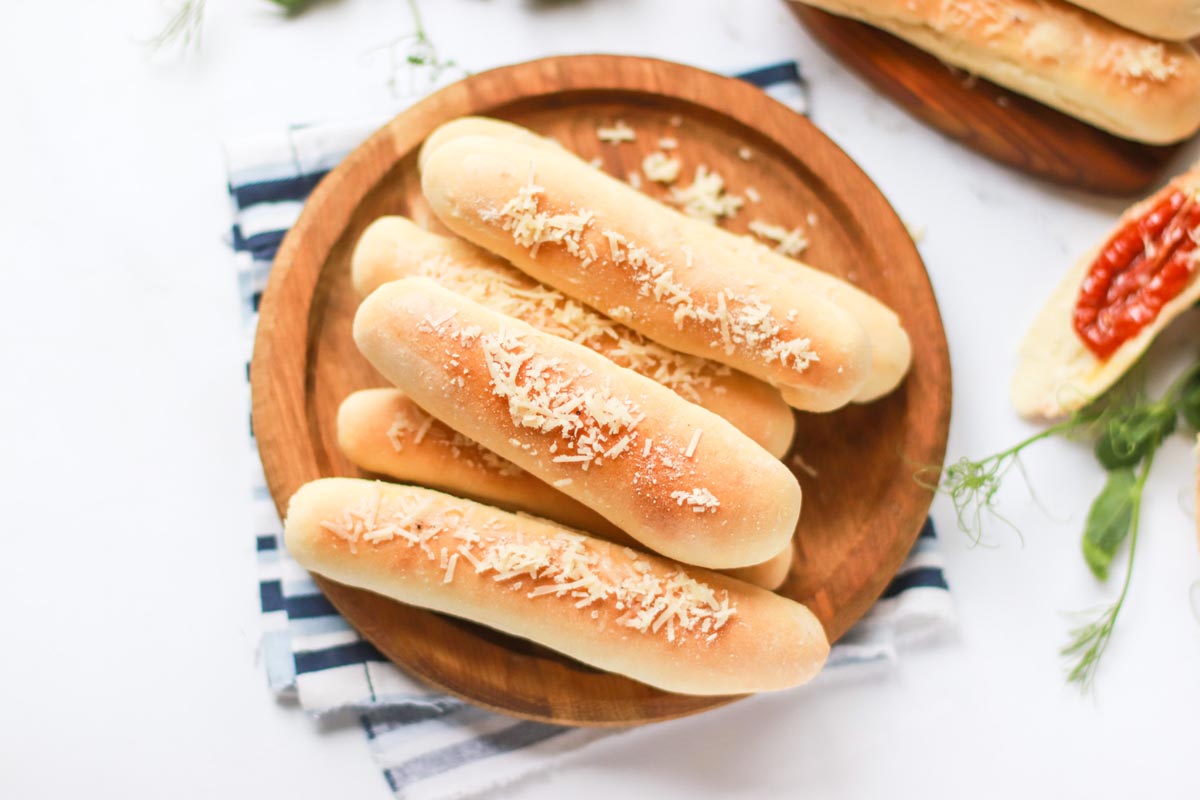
(128,639)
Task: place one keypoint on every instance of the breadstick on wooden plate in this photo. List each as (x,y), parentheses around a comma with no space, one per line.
(657,271)
(682,630)
(395,247)
(383,431)
(671,474)
(891,350)
(1113,303)
(1117,80)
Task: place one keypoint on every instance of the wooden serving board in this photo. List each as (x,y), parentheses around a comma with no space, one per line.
(990,119)
(863,510)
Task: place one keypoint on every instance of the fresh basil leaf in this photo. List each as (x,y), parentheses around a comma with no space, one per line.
(1109,520)
(1128,437)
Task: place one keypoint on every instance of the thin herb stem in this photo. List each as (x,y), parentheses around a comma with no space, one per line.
(417,21)
(183,28)
(972,485)
(1089,642)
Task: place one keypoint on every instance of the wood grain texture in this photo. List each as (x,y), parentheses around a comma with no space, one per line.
(862,512)
(1000,124)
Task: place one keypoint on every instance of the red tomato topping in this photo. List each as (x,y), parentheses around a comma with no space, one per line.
(1140,269)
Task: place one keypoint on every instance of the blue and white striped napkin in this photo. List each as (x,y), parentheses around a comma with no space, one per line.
(428,745)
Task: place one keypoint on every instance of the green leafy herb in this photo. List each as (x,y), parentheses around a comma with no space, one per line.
(1109,520)
(972,485)
(1127,430)
(415,60)
(1189,399)
(1089,641)
(293,6)
(1131,432)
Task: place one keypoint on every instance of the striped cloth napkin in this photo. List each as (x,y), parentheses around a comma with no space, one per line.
(431,746)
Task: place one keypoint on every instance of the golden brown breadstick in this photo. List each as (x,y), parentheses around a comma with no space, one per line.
(669,473)
(891,350)
(383,431)
(1174,20)
(694,631)
(654,269)
(1120,81)
(394,247)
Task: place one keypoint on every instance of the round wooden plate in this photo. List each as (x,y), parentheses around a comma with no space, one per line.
(862,508)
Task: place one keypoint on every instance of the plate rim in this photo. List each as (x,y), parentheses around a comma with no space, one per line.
(292,282)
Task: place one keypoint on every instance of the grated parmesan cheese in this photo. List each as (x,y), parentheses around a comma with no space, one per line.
(745,153)
(542,396)
(589,575)
(413,424)
(752,195)
(615,134)
(699,500)
(705,198)
(790,243)
(532,228)
(661,168)
(1148,62)
(668,143)
(742,319)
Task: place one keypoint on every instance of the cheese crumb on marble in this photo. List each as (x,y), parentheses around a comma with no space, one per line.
(790,243)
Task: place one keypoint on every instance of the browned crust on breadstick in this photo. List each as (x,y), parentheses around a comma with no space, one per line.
(596,239)
(1173,20)
(383,431)
(891,349)
(671,474)
(693,631)
(395,247)
(1077,62)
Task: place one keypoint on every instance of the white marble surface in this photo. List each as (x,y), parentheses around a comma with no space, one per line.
(129,666)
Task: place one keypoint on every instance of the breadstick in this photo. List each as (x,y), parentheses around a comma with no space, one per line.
(606,244)
(673,475)
(1119,294)
(382,431)
(1117,80)
(1174,20)
(891,350)
(693,632)
(394,247)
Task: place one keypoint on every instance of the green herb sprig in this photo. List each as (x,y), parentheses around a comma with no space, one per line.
(1128,429)
(414,58)
(183,28)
